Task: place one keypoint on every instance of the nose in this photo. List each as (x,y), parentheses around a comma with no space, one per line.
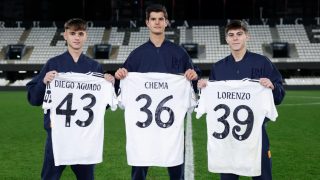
(235,37)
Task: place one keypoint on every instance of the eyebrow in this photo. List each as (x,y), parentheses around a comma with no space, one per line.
(157,18)
(238,32)
(77,32)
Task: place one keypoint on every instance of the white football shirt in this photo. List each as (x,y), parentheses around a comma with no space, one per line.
(77,104)
(236,110)
(155,107)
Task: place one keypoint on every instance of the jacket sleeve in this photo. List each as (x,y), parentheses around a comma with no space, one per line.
(36,88)
(278,91)
(190,65)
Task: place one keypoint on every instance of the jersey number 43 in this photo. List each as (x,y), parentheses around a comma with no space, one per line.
(68,111)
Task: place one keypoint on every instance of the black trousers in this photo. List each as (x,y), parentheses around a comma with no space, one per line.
(140,172)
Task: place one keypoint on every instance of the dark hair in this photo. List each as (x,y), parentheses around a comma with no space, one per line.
(237,24)
(76,24)
(156,8)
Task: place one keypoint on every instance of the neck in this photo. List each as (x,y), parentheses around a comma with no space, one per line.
(75,53)
(157,40)
(238,55)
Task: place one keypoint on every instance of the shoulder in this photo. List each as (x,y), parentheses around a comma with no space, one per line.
(256,56)
(141,48)
(89,59)
(57,58)
(92,64)
(174,46)
(222,61)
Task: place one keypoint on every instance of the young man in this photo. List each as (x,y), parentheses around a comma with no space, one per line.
(162,56)
(241,64)
(70,61)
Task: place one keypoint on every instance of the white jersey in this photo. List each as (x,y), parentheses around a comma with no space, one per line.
(77,104)
(236,110)
(155,107)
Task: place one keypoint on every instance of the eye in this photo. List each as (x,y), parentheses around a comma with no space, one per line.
(239,33)
(81,33)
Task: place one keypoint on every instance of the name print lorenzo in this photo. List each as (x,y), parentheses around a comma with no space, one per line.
(234,95)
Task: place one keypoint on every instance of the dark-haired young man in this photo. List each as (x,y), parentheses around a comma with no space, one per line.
(161,56)
(242,64)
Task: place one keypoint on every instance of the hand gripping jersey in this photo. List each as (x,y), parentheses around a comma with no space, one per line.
(77,104)
(155,107)
(236,110)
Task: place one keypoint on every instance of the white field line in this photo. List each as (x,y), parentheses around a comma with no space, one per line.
(300,104)
(189,164)
(307,97)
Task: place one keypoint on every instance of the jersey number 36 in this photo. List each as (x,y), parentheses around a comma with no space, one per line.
(158,112)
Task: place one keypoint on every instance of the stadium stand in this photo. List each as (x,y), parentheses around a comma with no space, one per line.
(302,81)
(10,35)
(45,42)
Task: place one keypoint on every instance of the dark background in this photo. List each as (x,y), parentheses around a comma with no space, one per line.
(114,10)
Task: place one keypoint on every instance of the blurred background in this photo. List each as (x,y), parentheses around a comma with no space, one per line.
(107,10)
(286,31)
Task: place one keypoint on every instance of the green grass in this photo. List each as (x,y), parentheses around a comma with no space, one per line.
(294,138)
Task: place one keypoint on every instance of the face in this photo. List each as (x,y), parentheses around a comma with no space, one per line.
(156,23)
(75,39)
(237,39)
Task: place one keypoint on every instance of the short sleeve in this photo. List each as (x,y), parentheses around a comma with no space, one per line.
(121,95)
(112,98)
(271,110)
(200,109)
(47,99)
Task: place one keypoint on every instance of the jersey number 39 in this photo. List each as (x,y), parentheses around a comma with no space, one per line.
(223,119)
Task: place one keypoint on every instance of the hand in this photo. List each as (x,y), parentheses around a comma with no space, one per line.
(266,83)
(202,83)
(109,78)
(121,73)
(49,76)
(191,74)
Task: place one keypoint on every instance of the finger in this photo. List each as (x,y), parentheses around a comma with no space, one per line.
(189,76)
(125,72)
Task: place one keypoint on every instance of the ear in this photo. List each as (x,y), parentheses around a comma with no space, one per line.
(248,36)
(147,22)
(167,22)
(65,35)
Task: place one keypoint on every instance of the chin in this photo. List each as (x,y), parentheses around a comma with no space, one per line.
(158,33)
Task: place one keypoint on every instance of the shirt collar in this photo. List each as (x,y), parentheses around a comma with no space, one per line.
(165,41)
(244,57)
(69,57)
